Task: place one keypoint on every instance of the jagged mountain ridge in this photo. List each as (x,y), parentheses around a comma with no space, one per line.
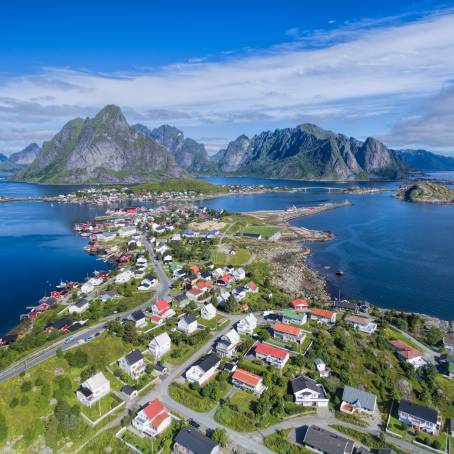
(103,149)
(427,161)
(310,152)
(25,156)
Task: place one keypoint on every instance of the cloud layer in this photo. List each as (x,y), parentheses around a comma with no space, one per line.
(377,72)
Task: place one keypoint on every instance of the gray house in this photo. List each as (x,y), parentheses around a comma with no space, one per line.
(326,442)
(357,400)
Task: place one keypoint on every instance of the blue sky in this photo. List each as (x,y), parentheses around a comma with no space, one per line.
(219,69)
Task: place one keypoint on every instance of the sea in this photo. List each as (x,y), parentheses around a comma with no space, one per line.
(392,254)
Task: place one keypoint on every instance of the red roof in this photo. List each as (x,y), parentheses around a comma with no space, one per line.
(195,269)
(322,313)
(252,285)
(269,350)
(195,291)
(153,409)
(226,278)
(155,319)
(204,284)
(247,377)
(283,328)
(405,350)
(162,305)
(300,303)
(158,420)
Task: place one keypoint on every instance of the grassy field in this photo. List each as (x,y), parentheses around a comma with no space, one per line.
(279,442)
(395,334)
(178,185)
(264,230)
(101,407)
(213,323)
(241,257)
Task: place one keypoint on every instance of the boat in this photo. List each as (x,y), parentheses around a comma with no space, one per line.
(339,273)
(62,284)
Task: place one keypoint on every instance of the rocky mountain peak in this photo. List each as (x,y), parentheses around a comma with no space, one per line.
(111,117)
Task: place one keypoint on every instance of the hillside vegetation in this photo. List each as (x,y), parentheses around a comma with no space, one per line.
(427,192)
(178,185)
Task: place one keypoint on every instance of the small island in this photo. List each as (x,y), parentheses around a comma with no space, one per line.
(426,192)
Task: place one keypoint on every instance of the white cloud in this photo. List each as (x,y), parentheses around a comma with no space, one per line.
(374,72)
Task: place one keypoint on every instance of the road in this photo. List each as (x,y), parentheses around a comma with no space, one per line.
(43,354)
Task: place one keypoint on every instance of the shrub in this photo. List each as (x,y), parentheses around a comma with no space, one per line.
(26,386)
(14,402)
(24,400)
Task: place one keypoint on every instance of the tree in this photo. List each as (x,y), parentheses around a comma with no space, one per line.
(51,432)
(3,428)
(77,359)
(220,436)
(26,386)
(434,336)
(14,402)
(24,400)
(130,333)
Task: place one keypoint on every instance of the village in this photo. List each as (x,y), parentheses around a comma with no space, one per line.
(191,341)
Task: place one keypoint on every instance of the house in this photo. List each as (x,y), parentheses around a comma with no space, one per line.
(129,392)
(300,304)
(138,318)
(308,393)
(251,287)
(326,442)
(79,307)
(321,368)
(126,231)
(323,316)
(247,324)
(356,400)
(239,293)
(288,332)
(451,427)
(191,441)
(225,279)
(407,353)
(274,356)
(123,277)
(228,343)
(93,389)
(448,342)
(345,305)
(293,317)
(187,324)
(364,324)
(152,419)
(239,274)
(247,380)
(148,283)
(194,294)
(87,287)
(160,345)
(208,311)
(160,307)
(419,417)
(109,295)
(106,236)
(203,369)
(133,364)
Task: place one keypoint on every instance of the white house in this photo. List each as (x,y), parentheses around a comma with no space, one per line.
(160,345)
(364,324)
(247,324)
(152,419)
(87,287)
(106,236)
(208,311)
(127,230)
(138,318)
(133,364)
(307,392)
(249,381)
(228,344)
(187,324)
(407,353)
(239,274)
(419,417)
(276,357)
(148,284)
(124,277)
(93,389)
(203,369)
(448,342)
(79,307)
(321,367)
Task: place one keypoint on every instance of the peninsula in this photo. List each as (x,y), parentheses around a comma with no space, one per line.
(427,192)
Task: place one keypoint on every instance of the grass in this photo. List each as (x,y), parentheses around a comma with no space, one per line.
(241,257)
(395,334)
(279,442)
(352,419)
(213,323)
(105,442)
(179,185)
(264,230)
(101,407)
(240,422)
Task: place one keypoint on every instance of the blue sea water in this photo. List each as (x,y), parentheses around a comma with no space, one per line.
(393,254)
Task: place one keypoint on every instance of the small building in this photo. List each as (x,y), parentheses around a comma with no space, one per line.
(203,369)
(300,305)
(251,287)
(194,294)
(133,364)
(160,307)
(345,305)
(407,353)
(227,344)
(274,356)
(247,325)
(109,295)
(191,441)
(323,441)
(79,307)
(356,400)
(138,318)
(247,380)
(308,393)
(93,389)
(208,311)
(419,417)
(129,392)
(364,324)
(448,342)
(152,419)
(323,316)
(187,324)
(288,332)
(123,277)
(290,317)
(321,368)
(160,345)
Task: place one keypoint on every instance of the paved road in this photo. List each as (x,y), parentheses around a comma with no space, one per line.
(41,355)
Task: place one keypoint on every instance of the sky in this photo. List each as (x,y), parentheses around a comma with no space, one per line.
(220,69)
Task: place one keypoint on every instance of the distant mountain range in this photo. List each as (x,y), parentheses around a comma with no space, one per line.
(106,149)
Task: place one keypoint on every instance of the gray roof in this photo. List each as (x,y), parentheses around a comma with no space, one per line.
(327,442)
(355,396)
(194,441)
(304,382)
(451,424)
(419,411)
(137,315)
(82,303)
(133,357)
(128,390)
(207,362)
(345,305)
(190,318)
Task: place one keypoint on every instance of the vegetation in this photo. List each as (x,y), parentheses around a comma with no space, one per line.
(427,192)
(264,230)
(278,442)
(178,185)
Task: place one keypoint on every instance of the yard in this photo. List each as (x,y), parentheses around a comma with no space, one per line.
(101,407)
(264,230)
(215,323)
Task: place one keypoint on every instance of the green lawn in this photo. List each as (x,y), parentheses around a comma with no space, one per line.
(241,257)
(264,230)
(213,323)
(279,442)
(393,333)
(101,407)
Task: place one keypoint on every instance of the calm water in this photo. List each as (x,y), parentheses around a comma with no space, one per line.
(393,254)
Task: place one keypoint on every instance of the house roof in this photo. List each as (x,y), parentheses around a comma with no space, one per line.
(449,339)
(195,291)
(189,318)
(288,313)
(194,441)
(96,381)
(287,329)
(355,396)
(269,350)
(153,409)
(207,362)
(321,313)
(252,285)
(137,315)
(133,357)
(247,377)
(128,390)
(161,339)
(345,305)
(232,337)
(405,350)
(299,302)
(162,305)
(357,319)
(419,411)
(303,382)
(326,441)
(158,420)
(81,303)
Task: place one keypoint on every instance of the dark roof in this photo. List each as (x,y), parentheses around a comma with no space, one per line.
(82,302)
(61,323)
(128,390)
(85,391)
(362,451)
(304,382)
(75,327)
(190,318)
(133,357)
(345,305)
(194,441)
(8,339)
(326,441)
(180,297)
(229,367)
(137,315)
(419,411)
(451,424)
(207,362)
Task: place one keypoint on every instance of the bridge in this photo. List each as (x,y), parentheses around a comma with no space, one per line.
(320,189)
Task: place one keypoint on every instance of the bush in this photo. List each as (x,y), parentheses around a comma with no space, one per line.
(26,386)
(14,402)
(25,400)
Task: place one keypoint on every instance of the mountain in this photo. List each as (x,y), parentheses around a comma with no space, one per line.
(103,149)
(310,152)
(189,154)
(27,155)
(6,165)
(426,161)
